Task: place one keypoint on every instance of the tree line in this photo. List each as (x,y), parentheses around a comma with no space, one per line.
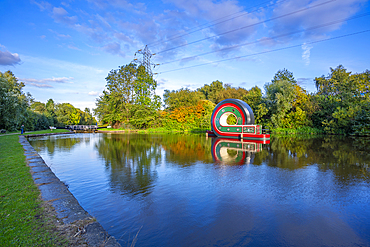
(18,108)
(341,104)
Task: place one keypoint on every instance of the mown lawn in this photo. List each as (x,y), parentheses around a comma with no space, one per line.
(23,221)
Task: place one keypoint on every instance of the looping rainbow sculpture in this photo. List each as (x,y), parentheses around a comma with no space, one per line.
(244,127)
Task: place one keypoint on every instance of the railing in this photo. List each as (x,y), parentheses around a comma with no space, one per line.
(82,127)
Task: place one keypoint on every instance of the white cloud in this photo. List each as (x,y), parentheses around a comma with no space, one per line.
(60,15)
(211,11)
(307,13)
(113,48)
(64,65)
(65,36)
(46,82)
(7,58)
(73,47)
(306,53)
(93,93)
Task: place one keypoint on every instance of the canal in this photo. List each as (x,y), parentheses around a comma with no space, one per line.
(189,190)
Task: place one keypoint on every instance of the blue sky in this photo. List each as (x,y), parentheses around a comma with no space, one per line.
(64,49)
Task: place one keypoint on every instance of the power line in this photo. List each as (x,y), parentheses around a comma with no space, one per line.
(267,38)
(259,53)
(244,27)
(199,29)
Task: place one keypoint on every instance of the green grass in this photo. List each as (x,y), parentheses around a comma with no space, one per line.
(35,132)
(154,130)
(46,131)
(22,218)
(111,129)
(302,130)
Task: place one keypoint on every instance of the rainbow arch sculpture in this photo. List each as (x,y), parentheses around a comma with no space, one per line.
(244,127)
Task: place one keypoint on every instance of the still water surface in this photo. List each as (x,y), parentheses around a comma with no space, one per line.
(186,190)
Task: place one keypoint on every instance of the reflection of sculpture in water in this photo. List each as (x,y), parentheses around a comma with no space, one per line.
(235,152)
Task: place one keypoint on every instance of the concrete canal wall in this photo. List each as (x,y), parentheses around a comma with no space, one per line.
(66,206)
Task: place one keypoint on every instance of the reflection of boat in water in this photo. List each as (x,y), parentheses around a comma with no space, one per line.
(234,151)
(243,126)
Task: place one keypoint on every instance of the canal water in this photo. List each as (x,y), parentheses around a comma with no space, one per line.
(189,190)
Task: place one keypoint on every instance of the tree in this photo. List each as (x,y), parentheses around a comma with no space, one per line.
(67,114)
(230,93)
(128,86)
(280,95)
(182,97)
(289,105)
(284,75)
(211,91)
(342,100)
(254,99)
(38,107)
(13,102)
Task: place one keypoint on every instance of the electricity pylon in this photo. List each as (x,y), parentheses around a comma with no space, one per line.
(145,61)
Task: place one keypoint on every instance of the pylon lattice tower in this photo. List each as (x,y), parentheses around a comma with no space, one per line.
(145,61)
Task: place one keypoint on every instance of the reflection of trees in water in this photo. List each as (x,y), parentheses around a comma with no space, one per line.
(187,149)
(348,158)
(52,144)
(288,152)
(131,160)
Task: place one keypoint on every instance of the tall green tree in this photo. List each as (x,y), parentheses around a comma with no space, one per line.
(67,114)
(254,99)
(289,105)
(182,97)
(13,102)
(230,93)
(342,99)
(128,89)
(38,107)
(212,91)
(279,96)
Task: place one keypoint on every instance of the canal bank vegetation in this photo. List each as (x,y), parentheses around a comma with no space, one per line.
(26,220)
(23,218)
(18,108)
(341,104)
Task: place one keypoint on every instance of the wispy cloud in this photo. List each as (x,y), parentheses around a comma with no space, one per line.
(64,36)
(60,15)
(73,47)
(113,48)
(314,13)
(306,53)
(210,11)
(93,93)
(64,65)
(121,27)
(46,82)
(8,58)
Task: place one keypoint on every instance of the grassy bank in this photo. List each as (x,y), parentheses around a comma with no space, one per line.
(23,221)
(153,130)
(302,130)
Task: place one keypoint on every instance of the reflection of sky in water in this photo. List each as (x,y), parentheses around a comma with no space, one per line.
(288,195)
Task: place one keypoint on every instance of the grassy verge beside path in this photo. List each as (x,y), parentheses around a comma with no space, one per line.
(23,221)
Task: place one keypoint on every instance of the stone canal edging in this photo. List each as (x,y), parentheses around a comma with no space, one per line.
(66,206)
